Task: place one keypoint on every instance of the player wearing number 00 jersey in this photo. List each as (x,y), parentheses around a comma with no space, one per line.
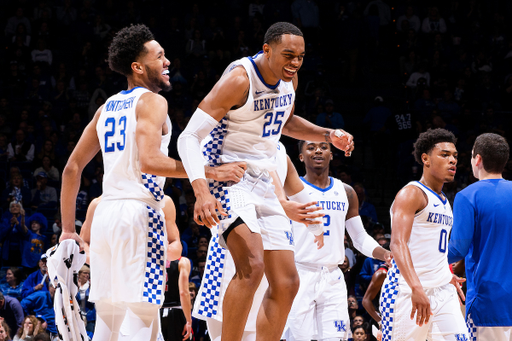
(320,310)
(417,300)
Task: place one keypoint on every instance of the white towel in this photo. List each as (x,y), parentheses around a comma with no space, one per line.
(64,262)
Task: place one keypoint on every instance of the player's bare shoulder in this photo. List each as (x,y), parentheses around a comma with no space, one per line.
(410,198)
(151,100)
(351,193)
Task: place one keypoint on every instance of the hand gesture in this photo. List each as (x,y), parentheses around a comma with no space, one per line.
(14,221)
(457,283)
(187,331)
(302,213)
(319,241)
(342,140)
(388,258)
(420,307)
(74,236)
(22,212)
(229,172)
(205,210)
(38,287)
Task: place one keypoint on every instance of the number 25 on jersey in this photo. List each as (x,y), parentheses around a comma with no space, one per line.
(111,136)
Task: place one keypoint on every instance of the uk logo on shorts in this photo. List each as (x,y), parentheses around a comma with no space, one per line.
(340,326)
(461,337)
(289,235)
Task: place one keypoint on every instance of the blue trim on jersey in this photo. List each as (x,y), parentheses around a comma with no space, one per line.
(437,195)
(273,87)
(318,188)
(126,92)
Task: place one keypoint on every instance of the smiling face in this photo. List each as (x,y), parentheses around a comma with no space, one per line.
(441,162)
(316,155)
(29,324)
(286,57)
(156,67)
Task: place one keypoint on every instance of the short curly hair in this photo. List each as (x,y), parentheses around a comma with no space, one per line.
(127,46)
(428,139)
(276,31)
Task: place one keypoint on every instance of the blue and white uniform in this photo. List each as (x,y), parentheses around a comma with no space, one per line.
(482,235)
(251,133)
(427,244)
(220,269)
(128,234)
(320,310)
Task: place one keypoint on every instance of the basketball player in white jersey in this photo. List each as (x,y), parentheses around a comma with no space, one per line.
(418,301)
(220,267)
(128,234)
(246,112)
(320,310)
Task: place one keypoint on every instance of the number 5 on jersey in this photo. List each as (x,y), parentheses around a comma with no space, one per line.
(111,123)
(271,121)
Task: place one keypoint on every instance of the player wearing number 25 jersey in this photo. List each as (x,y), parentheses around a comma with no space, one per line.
(418,284)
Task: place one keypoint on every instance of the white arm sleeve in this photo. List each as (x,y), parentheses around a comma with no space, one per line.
(199,126)
(303,197)
(362,241)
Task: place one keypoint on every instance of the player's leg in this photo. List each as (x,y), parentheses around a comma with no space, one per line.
(300,324)
(214,329)
(332,310)
(109,318)
(246,249)
(144,321)
(283,281)
(447,321)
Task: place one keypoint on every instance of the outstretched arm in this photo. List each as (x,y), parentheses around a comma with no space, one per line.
(301,129)
(186,304)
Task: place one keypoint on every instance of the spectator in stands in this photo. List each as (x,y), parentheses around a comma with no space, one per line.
(20,150)
(47,167)
(11,312)
(366,209)
(359,333)
(87,308)
(5,332)
(43,196)
(15,20)
(34,243)
(10,234)
(413,19)
(330,118)
(14,283)
(29,329)
(40,303)
(16,190)
(422,72)
(433,23)
(38,280)
(42,54)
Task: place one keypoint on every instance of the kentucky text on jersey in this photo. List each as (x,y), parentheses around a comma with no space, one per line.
(119,105)
(332,205)
(438,218)
(270,103)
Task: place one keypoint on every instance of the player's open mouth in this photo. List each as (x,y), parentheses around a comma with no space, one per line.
(318,159)
(290,72)
(452,170)
(166,73)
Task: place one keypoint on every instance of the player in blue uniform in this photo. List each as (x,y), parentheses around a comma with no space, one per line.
(481,234)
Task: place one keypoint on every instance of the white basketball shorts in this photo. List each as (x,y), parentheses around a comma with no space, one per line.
(446,323)
(254,201)
(319,310)
(128,243)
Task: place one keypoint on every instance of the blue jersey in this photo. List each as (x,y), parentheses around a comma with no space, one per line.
(482,234)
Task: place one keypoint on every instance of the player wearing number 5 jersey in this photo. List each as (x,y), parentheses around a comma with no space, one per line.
(245,114)
(418,301)
(319,311)
(128,233)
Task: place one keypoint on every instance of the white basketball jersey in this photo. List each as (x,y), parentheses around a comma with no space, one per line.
(429,240)
(281,161)
(251,132)
(116,127)
(334,203)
